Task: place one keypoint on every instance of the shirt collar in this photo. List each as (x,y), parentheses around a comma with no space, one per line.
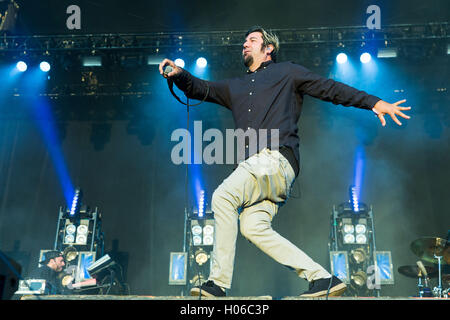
(262,66)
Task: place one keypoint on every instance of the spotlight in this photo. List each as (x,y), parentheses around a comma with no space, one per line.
(359,278)
(360,228)
(201,257)
(44,66)
(361,239)
(21,66)
(201,62)
(75,202)
(358,255)
(341,58)
(179,63)
(69,238)
(387,53)
(92,61)
(349,238)
(365,57)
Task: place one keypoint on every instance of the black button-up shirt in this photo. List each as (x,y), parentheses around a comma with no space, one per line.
(271,97)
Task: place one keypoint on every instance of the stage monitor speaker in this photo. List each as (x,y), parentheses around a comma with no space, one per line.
(9,276)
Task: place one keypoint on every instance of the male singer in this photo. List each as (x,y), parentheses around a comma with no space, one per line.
(269,96)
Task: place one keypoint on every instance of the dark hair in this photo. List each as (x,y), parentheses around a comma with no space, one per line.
(269,38)
(49,255)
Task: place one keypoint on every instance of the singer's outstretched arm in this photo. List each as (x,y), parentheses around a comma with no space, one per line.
(195,88)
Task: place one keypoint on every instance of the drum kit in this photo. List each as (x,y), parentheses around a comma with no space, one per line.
(436,251)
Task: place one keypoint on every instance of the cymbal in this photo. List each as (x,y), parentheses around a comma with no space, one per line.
(428,247)
(414,271)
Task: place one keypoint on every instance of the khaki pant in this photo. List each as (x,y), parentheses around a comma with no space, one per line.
(253,193)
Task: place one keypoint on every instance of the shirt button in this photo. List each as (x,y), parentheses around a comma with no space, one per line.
(246,146)
(249,110)
(251,93)
(253,80)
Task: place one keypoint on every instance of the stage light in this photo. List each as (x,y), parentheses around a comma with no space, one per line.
(349,238)
(70,229)
(349,228)
(201,204)
(341,58)
(358,255)
(81,239)
(21,66)
(365,57)
(354,198)
(69,238)
(361,239)
(82,229)
(197,240)
(359,278)
(201,257)
(75,202)
(196,230)
(201,62)
(360,228)
(92,61)
(386,53)
(179,62)
(44,66)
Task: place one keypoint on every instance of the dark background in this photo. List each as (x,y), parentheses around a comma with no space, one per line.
(130,178)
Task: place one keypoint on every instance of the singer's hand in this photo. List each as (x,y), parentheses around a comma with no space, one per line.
(166,62)
(382,107)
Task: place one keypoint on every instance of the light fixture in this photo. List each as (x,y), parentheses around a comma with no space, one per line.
(365,57)
(179,62)
(349,228)
(349,238)
(69,238)
(359,278)
(70,253)
(386,53)
(361,239)
(201,257)
(358,255)
(21,66)
(76,201)
(92,61)
(360,228)
(70,229)
(201,62)
(341,58)
(44,66)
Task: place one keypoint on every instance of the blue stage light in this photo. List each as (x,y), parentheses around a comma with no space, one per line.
(44,66)
(21,66)
(179,62)
(365,57)
(75,202)
(354,199)
(201,204)
(341,58)
(201,62)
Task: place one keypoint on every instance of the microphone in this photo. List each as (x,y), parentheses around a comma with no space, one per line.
(167,70)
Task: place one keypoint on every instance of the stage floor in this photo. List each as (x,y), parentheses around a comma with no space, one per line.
(191,298)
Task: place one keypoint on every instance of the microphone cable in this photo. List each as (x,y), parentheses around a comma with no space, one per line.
(187,104)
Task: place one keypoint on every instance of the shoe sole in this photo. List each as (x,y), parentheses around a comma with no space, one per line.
(335,291)
(195,292)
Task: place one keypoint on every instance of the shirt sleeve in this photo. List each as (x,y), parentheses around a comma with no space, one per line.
(195,88)
(307,82)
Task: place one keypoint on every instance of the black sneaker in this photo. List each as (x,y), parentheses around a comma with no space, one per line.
(319,288)
(208,289)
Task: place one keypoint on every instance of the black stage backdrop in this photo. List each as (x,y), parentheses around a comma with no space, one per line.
(111,16)
(119,155)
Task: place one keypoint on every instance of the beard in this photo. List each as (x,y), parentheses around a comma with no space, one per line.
(248,60)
